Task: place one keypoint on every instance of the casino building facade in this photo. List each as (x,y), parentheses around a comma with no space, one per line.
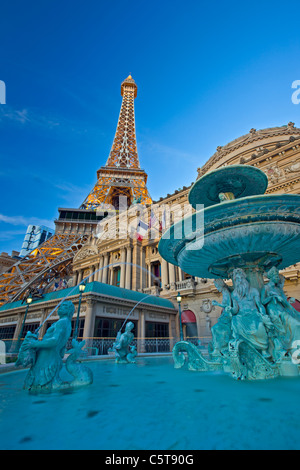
(119,244)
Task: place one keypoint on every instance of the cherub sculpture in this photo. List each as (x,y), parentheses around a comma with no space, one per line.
(123,351)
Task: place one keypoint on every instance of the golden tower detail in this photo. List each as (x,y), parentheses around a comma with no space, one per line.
(122,175)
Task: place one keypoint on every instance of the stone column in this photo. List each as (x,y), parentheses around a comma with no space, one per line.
(110,275)
(19,324)
(172,276)
(75,278)
(80,274)
(43,317)
(89,321)
(149,275)
(136,270)
(105,269)
(164,273)
(95,272)
(177,327)
(143,273)
(100,266)
(128,268)
(141,332)
(171,332)
(92,278)
(123,268)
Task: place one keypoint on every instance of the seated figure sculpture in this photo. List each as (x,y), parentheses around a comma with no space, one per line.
(221,331)
(46,356)
(249,319)
(285,318)
(124,352)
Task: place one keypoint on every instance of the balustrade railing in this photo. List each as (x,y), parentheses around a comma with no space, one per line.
(102,346)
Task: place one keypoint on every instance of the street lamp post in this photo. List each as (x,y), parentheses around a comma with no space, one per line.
(178,298)
(81,290)
(28,302)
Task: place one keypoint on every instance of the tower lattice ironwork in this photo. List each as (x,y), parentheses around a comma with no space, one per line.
(36,271)
(121,176)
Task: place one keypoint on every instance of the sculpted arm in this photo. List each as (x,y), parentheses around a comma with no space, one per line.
(258,302)
(48,342)
(226,300)
(233,310)
(265,298)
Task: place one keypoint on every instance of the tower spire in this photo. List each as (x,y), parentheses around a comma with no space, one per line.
(124,150)
(121,175)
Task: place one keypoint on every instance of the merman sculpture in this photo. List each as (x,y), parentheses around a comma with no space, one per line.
(246,238)
(221,331)
(125,353)
(45,357)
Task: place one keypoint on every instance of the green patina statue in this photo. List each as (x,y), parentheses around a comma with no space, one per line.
(221,331)
(249,319)
(256,334)
(285,318)
(124,352)
(45,357)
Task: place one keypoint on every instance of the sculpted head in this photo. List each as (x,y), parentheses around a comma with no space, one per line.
(129,326)
(273,275)
(226,196)
(66,309)
(220,284)
(241,284)
(222,197)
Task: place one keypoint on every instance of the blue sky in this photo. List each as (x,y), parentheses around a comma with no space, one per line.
(207,72)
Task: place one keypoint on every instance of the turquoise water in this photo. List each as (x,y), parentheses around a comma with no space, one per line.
(151,405)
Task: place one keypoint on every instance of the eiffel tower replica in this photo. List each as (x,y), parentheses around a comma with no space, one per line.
(120,177)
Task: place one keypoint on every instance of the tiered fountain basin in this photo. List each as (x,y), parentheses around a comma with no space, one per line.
(263,229)
(245,233)
(258,229)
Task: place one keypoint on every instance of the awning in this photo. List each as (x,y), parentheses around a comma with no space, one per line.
(187,316)
(296,304)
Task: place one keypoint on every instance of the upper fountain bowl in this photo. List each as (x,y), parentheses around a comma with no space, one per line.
(242,226)
(227,183)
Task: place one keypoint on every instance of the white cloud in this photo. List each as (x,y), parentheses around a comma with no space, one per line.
(20,220)
(7,235)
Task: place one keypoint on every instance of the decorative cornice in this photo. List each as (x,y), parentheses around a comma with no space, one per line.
(253,136)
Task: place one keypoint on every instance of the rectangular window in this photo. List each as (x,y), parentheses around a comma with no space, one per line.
(108,327)
(7,332)
(29,327)
(80,327)
(157,330)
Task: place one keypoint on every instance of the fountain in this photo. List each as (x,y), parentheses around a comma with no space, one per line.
(45,357)
(246,235)
(123,351)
